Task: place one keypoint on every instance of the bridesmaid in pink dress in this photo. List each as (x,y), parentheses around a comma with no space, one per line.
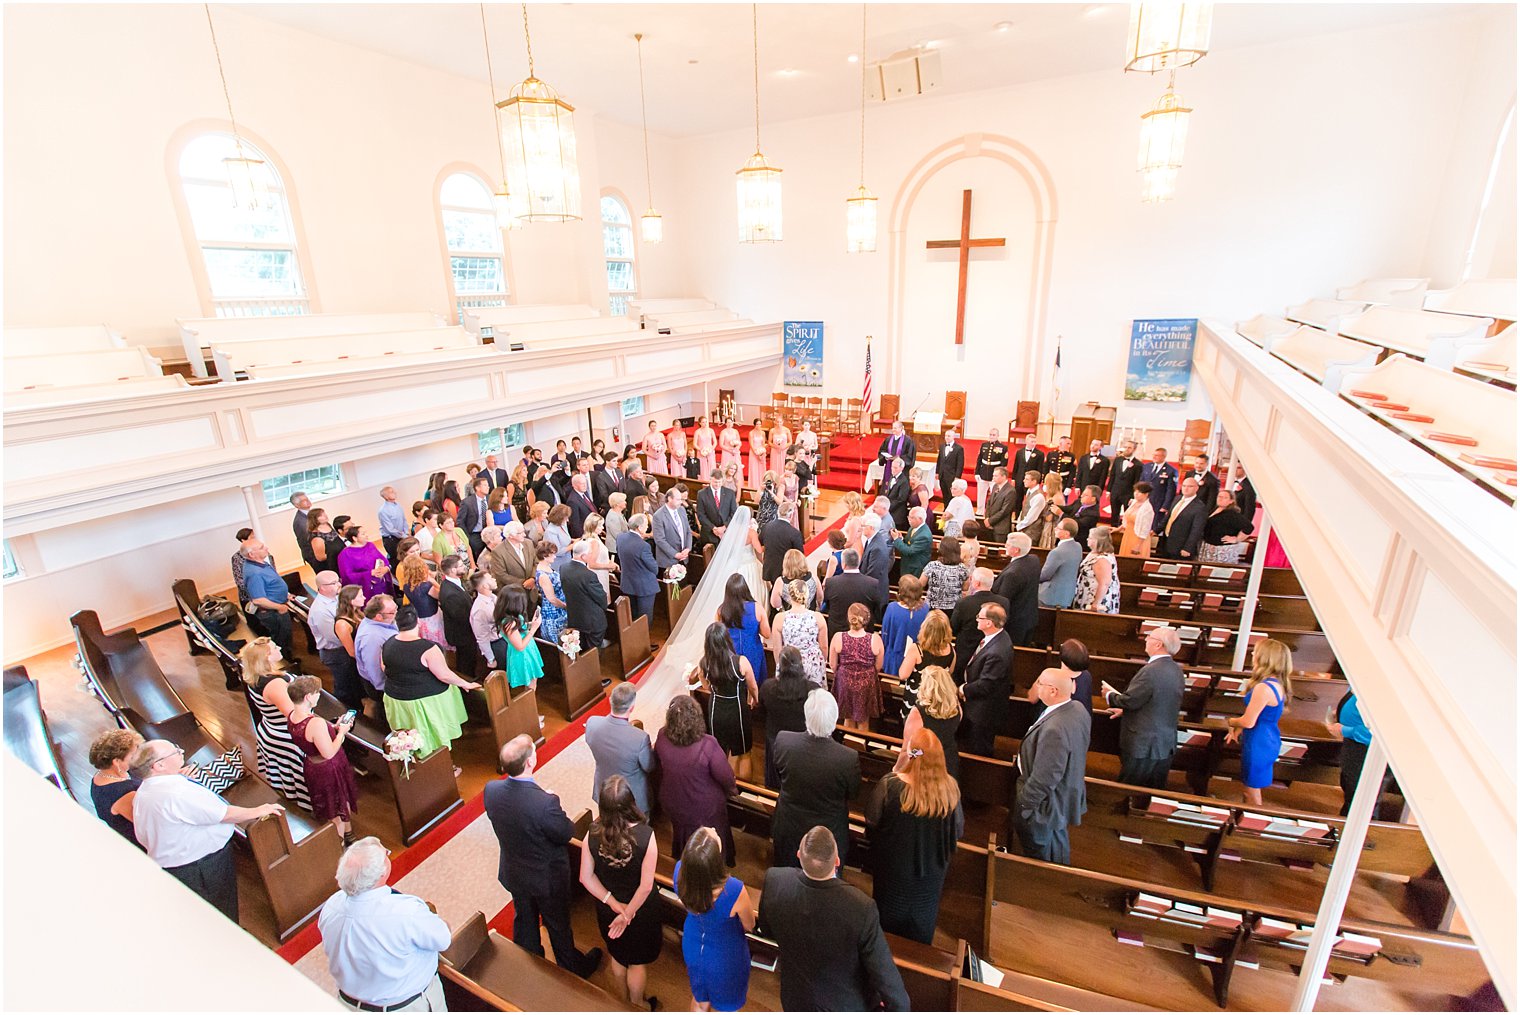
(653,447)
(706,443)
(675,440)
(730,442)
(757,463)
(781,439)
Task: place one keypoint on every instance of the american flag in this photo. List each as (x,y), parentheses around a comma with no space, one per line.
(866,397)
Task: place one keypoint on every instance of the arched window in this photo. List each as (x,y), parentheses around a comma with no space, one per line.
(477,257)
(617,245)
(240,212)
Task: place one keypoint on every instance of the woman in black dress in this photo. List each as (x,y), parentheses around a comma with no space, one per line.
(731,681)
(113,788)
(934,646)
(1224,532)
(913,819)
(618,859)
(783,697)
(323,544)
(938,710)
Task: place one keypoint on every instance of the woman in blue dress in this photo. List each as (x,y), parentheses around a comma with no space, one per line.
(551,594)
(747,624)
(1256,729)
(719,911)
(901,622)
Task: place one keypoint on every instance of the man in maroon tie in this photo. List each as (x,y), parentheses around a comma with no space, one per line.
(581,504)
(895,445)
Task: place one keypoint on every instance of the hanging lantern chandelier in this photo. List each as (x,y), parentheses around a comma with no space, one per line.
(860,207)
(1163,137)
(247,177)
(501,200)
(1166,36)
(651,226)
(539,140)
(759,183)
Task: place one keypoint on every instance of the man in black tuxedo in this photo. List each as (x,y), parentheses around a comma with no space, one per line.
(1000,501)
(475,514)
(848,587)
(581,504)
(1092,469)
(818,779)
(896,444)
(1052,767)
(1149,705)
(1245,495)
(535,835)
(1019,584)
(606,479)
(897,496)
(949,463)
(993,455)
(989,680)
(1208,483)
(1030,457)
(716,505)
(1085,512)
(454,603)
(1123,474)
(963,619)
(575,453)
(776,537)
(585,599)
(1183,533)
(493,472)
(832,952)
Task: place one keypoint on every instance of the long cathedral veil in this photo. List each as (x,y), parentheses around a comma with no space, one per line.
(665,679)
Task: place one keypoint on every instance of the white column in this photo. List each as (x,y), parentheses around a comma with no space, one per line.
(253,498)
(1253,590)
(1342,870)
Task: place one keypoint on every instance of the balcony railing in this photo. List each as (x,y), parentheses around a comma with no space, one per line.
(284,306)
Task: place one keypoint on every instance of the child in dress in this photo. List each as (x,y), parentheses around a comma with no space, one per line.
(524,664)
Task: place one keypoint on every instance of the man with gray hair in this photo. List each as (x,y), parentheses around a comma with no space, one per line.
(819,777)
(876,557)
(1019,583)
(302,504)
(1150,704)
(915,550)
(185,828)
(512,561)
(638,574)
(382,945)
(585,599)
(322,617)
(620,748)
(490,538)
(963,618)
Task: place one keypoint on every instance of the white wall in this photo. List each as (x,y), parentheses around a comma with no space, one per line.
(97,92)
(1309,165)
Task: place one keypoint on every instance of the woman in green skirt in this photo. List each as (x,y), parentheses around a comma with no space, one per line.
(421,692)
(524,664)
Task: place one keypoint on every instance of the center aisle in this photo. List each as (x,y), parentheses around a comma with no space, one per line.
(455,865)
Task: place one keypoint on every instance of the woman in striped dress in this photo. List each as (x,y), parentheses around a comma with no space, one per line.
(280,761)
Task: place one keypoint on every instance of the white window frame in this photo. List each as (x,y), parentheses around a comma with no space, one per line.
(617,299)
(508,438)
(12,571)
(259,306)
(277,489)
(467,301)
(634,400)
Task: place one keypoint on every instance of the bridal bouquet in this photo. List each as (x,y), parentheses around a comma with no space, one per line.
(689,675)
(673,577)
(570,642)
(403,746)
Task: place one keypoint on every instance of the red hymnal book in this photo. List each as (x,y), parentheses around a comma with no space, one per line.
(1376,396)
(1251,824)
(1412,417)
(1488,462)
(1451,438)
(1391,406)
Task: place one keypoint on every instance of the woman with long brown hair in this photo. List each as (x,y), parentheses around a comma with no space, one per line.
(1256,731)
(618,859)
(913,818)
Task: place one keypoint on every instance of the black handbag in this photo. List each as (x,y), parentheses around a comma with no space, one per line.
(218,614)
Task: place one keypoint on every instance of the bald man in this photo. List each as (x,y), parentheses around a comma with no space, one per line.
(1052,764)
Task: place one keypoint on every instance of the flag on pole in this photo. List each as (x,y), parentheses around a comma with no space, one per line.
(1055,380)
(865,398)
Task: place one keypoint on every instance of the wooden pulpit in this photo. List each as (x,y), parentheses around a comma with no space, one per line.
(1091,422)
(927,428)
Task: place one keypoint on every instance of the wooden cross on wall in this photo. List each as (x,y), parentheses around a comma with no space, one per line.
(965,243)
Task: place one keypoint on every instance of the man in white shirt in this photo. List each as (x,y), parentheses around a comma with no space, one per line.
(1034,502)
(321,618)
(186,828)
(493,647)
(382,945)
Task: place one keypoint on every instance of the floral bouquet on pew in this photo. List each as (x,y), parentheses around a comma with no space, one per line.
(570,642)
(403,746)
(689,676)
(674,575)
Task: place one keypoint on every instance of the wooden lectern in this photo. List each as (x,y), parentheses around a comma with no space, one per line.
(928,428)
(1091,422)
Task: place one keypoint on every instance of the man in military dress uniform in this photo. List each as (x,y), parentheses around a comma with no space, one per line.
(1062,462)
(994,455)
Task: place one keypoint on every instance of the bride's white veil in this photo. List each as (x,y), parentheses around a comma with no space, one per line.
(664,679)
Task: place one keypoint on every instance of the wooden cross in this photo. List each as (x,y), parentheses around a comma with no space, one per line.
(965,243)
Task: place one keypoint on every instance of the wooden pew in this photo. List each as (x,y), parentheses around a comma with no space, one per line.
(74,369)
(297,873)
(512,713)
(483,968)
(581,677)
(632,636)
(27,735)
(1023,992)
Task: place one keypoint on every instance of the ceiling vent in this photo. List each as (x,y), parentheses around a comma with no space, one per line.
(904,75)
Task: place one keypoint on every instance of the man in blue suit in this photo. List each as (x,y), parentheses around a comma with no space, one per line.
(534,834)
(638,578)
(1162,476)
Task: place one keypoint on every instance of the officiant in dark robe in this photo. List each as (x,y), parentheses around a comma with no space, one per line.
(896,444)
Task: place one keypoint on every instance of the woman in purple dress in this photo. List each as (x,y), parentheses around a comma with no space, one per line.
(695,779)
(362,563)
(329,777)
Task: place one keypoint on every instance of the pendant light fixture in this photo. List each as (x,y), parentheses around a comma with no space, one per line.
(248,177)
(860,207)
(539,140)
(501,200)
(1163,136)
(1166,36)
(759,184)
(651,226)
